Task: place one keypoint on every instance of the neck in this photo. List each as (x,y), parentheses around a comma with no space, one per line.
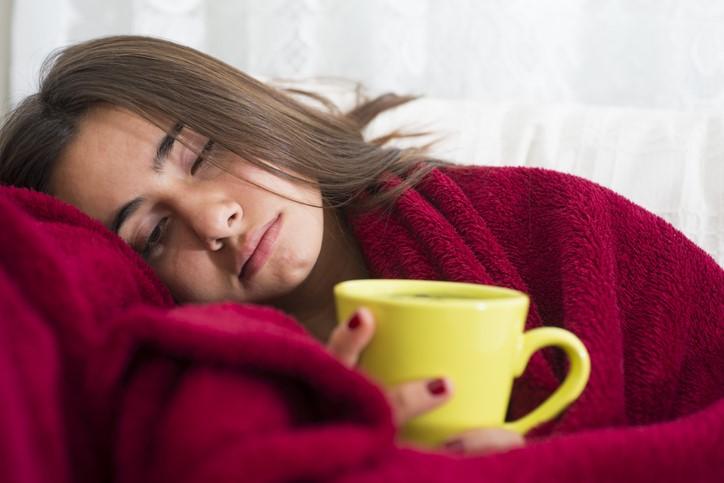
(340,259)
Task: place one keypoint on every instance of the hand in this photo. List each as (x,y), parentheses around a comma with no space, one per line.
(411,399)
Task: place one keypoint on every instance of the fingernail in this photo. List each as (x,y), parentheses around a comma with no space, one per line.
(354,322)
(454,446)
(437,387)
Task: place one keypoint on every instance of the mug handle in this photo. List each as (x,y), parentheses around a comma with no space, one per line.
(573,384)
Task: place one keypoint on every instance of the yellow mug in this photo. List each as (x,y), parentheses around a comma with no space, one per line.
(472,334)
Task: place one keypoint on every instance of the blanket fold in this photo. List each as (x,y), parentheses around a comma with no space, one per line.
(103,378)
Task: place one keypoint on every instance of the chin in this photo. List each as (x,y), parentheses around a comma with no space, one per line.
(294,268)
(292,279)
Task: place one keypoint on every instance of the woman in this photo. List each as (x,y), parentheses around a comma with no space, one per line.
(232,190)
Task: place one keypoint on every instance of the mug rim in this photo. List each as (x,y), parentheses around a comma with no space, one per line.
(501,296)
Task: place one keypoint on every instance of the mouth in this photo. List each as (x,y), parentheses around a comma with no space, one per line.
(258,248)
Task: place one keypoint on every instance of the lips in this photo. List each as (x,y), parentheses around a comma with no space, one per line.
(257,248)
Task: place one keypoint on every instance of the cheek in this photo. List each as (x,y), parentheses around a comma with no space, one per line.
(190,277)
(303,241)
(314,232)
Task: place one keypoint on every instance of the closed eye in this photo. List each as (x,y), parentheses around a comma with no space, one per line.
(199,162)
(155,239)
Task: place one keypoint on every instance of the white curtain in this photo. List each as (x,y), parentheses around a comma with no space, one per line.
(4,54)
(637,53)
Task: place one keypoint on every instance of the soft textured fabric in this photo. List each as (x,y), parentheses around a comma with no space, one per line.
(646,302)
(101,378)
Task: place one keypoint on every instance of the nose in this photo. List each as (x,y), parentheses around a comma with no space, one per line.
(214,221)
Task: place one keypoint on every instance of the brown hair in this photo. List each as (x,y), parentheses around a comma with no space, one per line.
(160,79)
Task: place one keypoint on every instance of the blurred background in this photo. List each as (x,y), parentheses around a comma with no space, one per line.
(627,93)
(645,53)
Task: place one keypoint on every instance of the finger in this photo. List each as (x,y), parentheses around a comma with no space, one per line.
(484,440)
(411,399)
(349,339)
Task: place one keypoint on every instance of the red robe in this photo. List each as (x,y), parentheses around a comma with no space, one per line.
(102,378)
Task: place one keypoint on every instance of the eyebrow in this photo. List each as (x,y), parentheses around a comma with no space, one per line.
(124,213)
(159,159)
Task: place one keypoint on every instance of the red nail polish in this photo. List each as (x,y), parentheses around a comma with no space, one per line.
(454,446)
(437,387)
(354,322)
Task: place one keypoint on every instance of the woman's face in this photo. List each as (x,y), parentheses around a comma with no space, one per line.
(208,234)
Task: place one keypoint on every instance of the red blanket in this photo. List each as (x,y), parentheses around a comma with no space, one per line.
(102,378)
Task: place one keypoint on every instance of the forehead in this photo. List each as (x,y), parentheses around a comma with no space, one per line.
(107,162)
